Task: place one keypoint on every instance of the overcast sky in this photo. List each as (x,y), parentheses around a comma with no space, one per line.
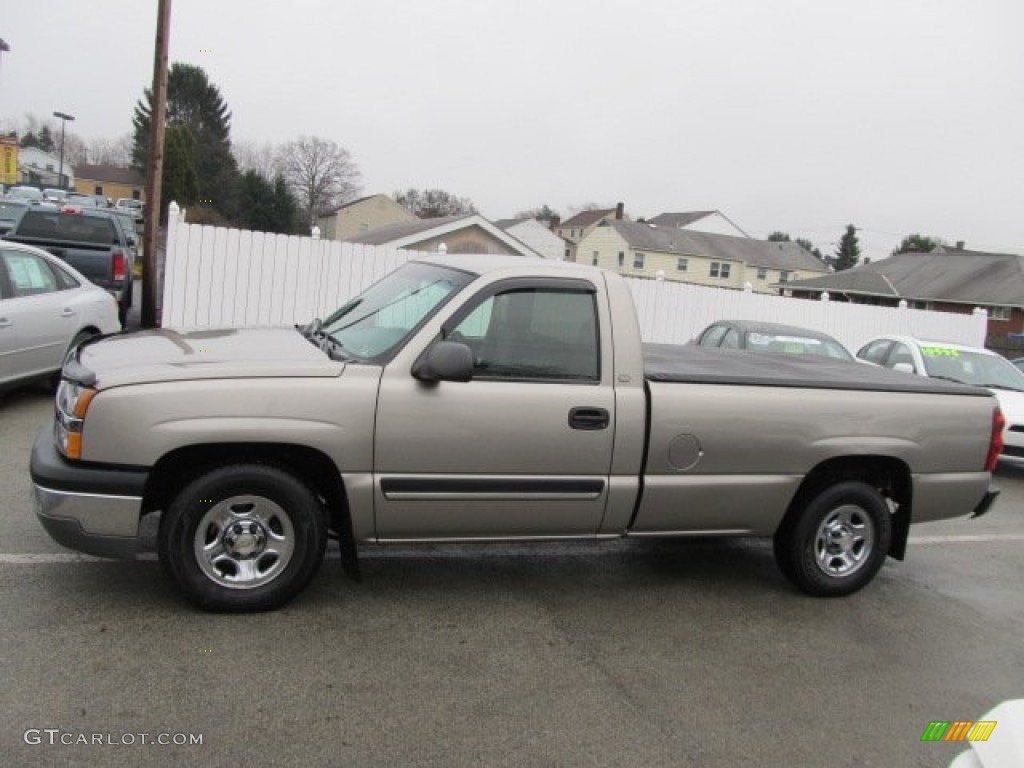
(897,116)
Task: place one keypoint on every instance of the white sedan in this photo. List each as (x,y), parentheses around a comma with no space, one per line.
(45,307)
(955,362)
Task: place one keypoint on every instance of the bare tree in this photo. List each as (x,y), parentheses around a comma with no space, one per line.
(116,152)
(320,173)
(253,156)
(433,203)
(75,150)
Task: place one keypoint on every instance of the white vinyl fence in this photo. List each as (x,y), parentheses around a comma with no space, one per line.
(217,277)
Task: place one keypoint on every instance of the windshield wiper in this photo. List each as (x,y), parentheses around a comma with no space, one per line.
(322,340)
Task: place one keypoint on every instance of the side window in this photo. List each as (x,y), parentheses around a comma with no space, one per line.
(29,275)
(900,354)
(875,351)
(731,340)
(546,334)
(713,336)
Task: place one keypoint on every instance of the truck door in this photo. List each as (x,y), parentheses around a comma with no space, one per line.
(525,447)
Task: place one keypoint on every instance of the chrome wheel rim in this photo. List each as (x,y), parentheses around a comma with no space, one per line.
(244,542)
(844,541)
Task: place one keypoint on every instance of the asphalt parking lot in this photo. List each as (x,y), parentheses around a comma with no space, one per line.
(623,654)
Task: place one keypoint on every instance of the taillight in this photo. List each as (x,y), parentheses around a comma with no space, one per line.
(119,262)
(995,443)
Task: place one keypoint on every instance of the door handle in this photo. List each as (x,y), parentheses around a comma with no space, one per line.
(68,312)
(589,418)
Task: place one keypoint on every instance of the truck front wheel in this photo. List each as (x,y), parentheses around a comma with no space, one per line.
(837,541)
(245,537)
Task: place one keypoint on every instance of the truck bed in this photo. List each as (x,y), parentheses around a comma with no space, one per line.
(701,365)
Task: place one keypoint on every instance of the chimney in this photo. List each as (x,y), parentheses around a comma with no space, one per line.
(867,259)
(960,245)
(618,211)
(556,222)
(641,220)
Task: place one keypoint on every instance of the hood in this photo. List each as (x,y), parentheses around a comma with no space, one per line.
(232,353)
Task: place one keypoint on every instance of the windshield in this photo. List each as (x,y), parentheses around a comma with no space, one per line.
(974,368)
(791,344)
(378,320)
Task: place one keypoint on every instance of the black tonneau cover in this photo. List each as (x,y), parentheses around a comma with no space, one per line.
(703,365)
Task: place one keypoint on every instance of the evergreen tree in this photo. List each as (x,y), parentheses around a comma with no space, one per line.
(179,182)
(44,140)
(848,252)
(195,103)
(264,205)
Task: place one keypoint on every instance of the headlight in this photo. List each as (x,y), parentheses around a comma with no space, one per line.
(72,402)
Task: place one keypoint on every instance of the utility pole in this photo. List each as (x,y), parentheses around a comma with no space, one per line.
(63,117)
(155,165)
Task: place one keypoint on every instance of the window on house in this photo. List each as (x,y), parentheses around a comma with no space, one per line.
(682,265)
(999,313)
(638,261)
(595,257)
(97,190)
(784,276)
(622,259)
(49,167)
(762,273)
(136,195)
(567,254)
(720,269)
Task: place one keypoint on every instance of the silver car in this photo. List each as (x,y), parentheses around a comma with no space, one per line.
(45,308)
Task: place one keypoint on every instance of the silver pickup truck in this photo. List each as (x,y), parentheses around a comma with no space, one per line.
(491,398)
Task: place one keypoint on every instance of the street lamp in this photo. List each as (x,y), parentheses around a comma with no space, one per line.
(63,117)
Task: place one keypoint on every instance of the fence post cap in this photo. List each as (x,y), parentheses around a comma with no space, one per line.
(748,287)
(315,232)
(173,209)
(442,249)
(825,296)
(903,304)
(660,275)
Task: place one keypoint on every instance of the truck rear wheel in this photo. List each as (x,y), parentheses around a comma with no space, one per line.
(245,537)
(837,541)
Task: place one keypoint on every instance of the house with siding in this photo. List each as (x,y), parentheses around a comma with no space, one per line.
(38,167)
(536,235)
(362,216)
(575,228)
(110,181)
(464,233)
(644,249)
(946,279)
(711,222)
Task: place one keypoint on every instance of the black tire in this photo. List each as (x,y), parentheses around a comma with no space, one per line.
(835,544)
(263,538)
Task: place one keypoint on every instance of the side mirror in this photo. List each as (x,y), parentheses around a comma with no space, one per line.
(445,361)
(131,240)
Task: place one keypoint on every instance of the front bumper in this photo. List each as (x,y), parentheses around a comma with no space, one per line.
(87,507)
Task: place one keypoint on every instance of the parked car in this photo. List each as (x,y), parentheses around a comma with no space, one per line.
(80,199)
(11,210)
(136,207)
(772,338)
(46,307)
(491,397)
(29,194)
(52,195)
(976,366)
(91,241)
